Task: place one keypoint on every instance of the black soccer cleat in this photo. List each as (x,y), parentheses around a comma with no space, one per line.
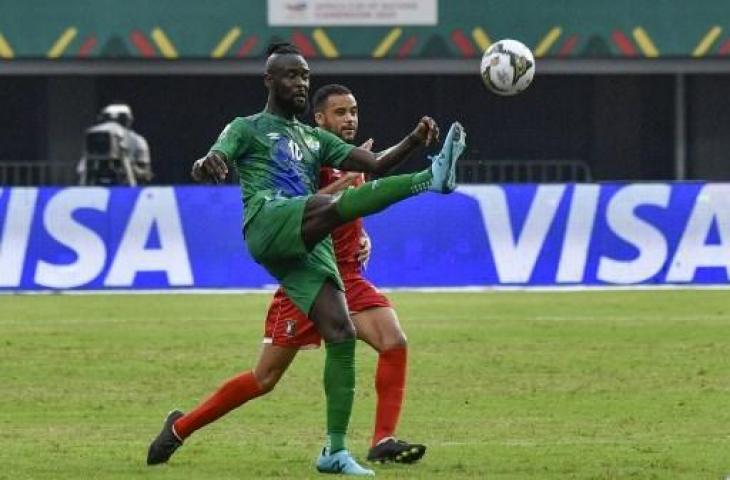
(162,447)
(398,451)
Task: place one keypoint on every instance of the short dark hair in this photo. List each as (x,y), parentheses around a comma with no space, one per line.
(282,48)
(319,99)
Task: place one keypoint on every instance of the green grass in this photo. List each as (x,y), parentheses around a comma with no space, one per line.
(599,385)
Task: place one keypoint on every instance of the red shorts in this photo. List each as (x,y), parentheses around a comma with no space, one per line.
(287,326)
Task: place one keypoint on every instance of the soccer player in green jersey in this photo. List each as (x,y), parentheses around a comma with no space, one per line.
(376,322)
(287,227)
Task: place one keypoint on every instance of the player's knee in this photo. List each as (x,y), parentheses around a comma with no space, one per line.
(320,206)
(340,332)
(267,380)
(320,200)
(268,384)
(348,331)
(397,340)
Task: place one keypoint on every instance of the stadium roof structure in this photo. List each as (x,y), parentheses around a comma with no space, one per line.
(168,36)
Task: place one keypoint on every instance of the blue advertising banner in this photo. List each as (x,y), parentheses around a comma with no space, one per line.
(91,238)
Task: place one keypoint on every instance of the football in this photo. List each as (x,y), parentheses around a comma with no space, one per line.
(507,67)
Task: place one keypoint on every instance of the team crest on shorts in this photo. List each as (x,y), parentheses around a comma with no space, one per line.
(291,328)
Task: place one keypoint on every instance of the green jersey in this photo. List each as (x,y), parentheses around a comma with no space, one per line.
(275,157)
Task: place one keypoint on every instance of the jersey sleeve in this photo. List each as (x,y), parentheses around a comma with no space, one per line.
(332,149)
(233,140)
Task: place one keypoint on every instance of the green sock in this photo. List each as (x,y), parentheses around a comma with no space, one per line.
(374,196)
(339,387)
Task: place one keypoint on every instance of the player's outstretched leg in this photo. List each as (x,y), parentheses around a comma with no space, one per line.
(162,447)
(341,462)
(232,394)
(372,197)
(399,451)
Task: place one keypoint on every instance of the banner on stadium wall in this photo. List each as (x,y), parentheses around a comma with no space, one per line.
(91,238)
(320,13)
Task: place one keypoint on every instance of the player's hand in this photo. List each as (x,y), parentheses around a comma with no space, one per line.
(426,132)
(340,184)
(351,177)
(366,247)
(368,144)
(211,168)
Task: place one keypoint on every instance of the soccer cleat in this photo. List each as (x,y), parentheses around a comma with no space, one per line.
(392,450)
(341,462)
(162,447)
(443,165)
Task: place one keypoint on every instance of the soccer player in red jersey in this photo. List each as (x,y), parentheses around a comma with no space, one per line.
(376,322)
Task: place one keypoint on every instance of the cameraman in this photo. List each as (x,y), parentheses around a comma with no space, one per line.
(114,154)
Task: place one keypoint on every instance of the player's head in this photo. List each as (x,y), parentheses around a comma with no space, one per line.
(335,109)
(287,78)
(117,112)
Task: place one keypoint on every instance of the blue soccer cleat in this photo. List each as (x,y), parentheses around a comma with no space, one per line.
(443,165)
(341,462)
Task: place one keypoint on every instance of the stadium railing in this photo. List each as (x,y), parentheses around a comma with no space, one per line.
(37,173)
(468,171)
(522,171)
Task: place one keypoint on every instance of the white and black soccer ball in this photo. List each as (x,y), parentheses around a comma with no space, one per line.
(507,67)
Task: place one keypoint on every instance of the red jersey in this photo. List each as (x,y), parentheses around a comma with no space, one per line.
(346,238)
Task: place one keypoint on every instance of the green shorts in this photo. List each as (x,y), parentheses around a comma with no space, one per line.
(274,239)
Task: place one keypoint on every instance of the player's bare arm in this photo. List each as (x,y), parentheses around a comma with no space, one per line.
(340,184)
(212,168)
(425,134)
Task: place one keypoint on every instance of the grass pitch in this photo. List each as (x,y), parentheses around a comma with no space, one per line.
(599,385)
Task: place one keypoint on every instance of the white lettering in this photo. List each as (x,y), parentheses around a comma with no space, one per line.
(155,207)
(295,150)
(89,249)
(578,232)
(515,259)
(712,205)
(15,234)
(650,241)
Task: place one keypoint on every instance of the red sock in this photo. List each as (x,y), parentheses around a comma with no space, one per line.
(390,384)
(232,394)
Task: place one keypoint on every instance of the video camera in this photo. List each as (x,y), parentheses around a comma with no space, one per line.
(107,155)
